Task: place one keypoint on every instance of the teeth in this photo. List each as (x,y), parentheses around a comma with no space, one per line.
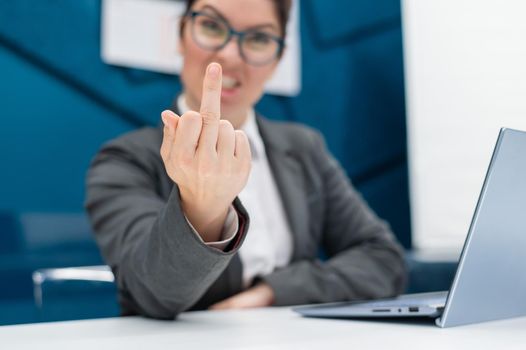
(229,82)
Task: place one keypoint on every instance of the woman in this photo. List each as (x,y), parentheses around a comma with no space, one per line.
(165,203)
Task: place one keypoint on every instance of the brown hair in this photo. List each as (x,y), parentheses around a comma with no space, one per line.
(282,9)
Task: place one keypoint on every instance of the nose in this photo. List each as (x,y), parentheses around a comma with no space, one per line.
(230,52)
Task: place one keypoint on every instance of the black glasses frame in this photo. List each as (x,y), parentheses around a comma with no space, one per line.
(240,36)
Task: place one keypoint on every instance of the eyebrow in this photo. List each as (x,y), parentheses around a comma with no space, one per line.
(220,15)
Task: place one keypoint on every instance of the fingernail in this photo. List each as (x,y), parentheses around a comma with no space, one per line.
(165,120)
(213,70)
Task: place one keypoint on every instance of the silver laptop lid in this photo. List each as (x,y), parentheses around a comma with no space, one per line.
(490,282)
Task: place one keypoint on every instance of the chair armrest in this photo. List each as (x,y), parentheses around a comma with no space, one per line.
(75,293)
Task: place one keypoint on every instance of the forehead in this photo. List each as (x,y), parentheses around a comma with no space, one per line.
(245,13)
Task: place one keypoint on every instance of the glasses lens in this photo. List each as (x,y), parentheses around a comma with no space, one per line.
(259,47)
(209,32)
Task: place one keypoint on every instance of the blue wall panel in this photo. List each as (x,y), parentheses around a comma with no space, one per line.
(49,134)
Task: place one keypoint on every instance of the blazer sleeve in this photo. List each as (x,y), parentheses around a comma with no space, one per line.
(365,261)
(159,263)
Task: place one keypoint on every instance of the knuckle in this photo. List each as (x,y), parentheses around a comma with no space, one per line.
(192,114)
(185,159)
(190,117)
(243,166)
(208,116)
(207,169)
(240,138)
(226,125)
(163,152)
(247,166)
(227,168)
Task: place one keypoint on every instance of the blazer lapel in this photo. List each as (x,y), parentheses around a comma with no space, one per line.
(289,178)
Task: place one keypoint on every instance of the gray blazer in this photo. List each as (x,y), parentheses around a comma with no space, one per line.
(162,268)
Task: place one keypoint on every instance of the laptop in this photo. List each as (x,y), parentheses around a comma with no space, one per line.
(490,281)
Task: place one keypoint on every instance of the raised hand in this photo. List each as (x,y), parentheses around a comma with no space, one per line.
(206,158)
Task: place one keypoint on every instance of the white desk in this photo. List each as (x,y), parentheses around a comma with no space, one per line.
(270,328)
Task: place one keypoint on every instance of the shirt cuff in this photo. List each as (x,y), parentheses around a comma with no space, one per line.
(228,233)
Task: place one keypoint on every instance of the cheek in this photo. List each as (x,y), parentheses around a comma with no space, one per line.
(194,65)
(258,77)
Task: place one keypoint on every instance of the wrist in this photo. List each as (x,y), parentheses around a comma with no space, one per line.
(207,220)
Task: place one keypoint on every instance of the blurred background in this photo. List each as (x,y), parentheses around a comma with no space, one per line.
(64,92)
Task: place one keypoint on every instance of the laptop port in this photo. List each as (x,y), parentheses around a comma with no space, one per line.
(413,309)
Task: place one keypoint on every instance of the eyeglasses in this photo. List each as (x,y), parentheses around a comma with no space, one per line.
(255,46)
